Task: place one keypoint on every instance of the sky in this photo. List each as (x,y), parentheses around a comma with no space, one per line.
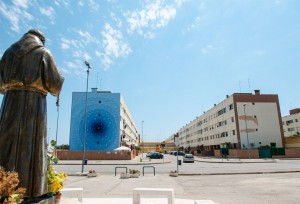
(170,59)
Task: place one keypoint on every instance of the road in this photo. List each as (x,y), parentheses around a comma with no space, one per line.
(197,167)
(225,189)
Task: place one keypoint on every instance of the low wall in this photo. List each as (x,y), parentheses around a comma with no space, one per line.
(244,153)
(254,153)
(94,155)
(292,153)
(241,153)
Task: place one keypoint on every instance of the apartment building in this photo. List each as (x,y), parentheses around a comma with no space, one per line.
(241,120)
(108,122)
(291,123)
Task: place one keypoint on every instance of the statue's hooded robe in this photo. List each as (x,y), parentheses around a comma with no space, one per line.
(27,73)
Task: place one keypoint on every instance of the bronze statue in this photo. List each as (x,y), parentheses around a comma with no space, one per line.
(27,74)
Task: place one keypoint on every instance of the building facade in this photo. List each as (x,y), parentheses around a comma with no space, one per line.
(108,122)
(291,123)
(242,120)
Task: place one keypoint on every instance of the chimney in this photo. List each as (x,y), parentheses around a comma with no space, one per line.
(257,92)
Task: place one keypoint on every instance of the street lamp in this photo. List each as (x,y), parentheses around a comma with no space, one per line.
(57,106)
(246,129)
(49,137)
(143,139)
(87,87)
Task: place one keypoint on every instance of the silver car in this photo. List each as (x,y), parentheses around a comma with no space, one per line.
(188,158)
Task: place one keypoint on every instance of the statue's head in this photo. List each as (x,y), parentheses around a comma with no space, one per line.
(37,33)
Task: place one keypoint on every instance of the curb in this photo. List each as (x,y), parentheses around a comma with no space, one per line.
(207,174)
(236,173)
(114,163)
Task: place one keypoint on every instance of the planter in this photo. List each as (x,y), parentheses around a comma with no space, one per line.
(173,174)
(124,176)
(134,175)
(91,174)
(57,198)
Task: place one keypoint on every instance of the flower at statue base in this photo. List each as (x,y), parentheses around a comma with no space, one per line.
(55,180)
(9,190)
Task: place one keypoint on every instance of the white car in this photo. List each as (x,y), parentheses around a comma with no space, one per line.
(188,158)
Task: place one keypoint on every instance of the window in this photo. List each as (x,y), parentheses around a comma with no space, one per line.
(231,106)
(296,120)
(233,132)
(253,103)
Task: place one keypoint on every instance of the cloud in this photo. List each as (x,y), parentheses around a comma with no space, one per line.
(74,67)
(21,3)
(77,48)
(49,12)
(91,4)
(66,44)
(154,15)
(113,44)
(180,2)
(87,37)
(15,15)
(207,49)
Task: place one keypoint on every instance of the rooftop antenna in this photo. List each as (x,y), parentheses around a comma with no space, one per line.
(97,80)
(249,85)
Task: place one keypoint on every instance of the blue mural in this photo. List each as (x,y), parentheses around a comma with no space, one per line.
(103,121)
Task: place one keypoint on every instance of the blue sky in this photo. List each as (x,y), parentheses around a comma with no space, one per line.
(170,60)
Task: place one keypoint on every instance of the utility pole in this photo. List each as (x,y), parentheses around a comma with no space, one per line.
(86,100)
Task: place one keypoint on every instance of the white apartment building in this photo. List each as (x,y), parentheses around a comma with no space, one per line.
(242,120)
(128,129)
(291,123)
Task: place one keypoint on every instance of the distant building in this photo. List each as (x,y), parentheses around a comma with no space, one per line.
(291,123)
(242,120)
(157,146)
(109,123)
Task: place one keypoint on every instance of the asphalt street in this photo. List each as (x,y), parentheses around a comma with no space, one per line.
(256,181)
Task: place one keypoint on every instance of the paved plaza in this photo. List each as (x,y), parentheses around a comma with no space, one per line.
(208,180)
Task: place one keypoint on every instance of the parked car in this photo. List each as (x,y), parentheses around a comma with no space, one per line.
(172,152)
(188,158)
(148,153)
(180,153)
(155,155)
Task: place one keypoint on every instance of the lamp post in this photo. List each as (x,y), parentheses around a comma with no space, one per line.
(86,98)
(49,137)
(246,128)
(57,106)
(142,138)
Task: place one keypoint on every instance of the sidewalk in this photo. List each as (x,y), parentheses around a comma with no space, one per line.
(65,200)
(142,161)
(233,160)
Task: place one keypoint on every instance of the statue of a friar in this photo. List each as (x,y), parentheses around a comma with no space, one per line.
(27,74)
